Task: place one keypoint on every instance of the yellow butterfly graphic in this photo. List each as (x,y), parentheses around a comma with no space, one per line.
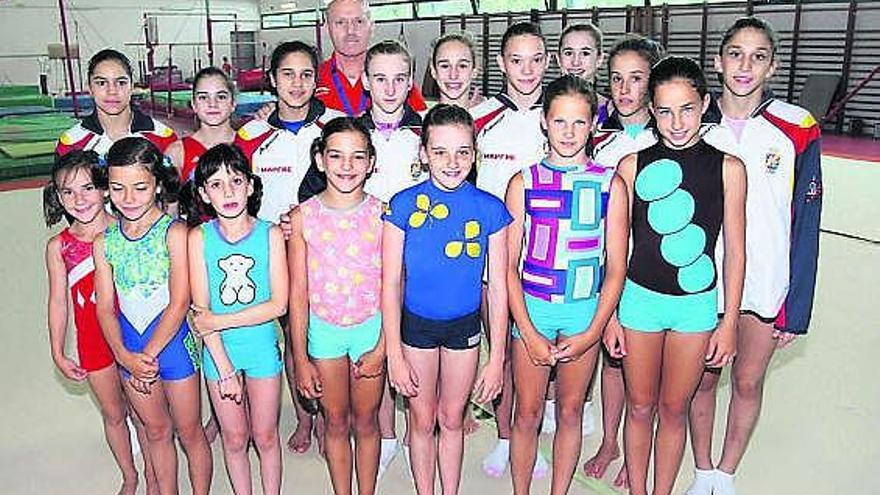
(469,246)
(423,203)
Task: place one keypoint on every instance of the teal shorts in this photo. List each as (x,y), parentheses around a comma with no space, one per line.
(253,351)
(644,310)
(329,341)
(555,319)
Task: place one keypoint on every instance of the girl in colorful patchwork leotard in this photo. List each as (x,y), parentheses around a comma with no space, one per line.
(77,191)
(142,289)
(336,325)
(560,208)
(238,278)
(683,192)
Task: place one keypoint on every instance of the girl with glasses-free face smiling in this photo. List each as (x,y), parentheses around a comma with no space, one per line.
(678,109)
(523,61)
(580,54)
(454,70)
(295,82)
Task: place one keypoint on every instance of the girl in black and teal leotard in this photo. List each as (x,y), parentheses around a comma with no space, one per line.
(683,192)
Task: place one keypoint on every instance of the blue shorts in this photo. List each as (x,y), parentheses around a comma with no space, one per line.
(177,361)
(252,350)
(644,310)
(329,341)
(424,333)
(555,319)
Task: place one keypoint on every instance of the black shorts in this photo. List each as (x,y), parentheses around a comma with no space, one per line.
(424,333)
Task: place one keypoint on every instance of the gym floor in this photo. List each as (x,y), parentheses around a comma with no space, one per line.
(817,435)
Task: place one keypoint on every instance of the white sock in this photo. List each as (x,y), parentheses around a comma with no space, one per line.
(132,435)
(548,425)
(723,483)
(495,462)
(588,421)
(542,468)
(388,450)
(704,480)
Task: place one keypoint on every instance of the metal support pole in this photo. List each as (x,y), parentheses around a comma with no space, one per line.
(318,40)
(795,42)
(704,26)
(263,68)
(847,56)
(486,62)
(79,69)
(70,81)
(629,14)
(664,25)
(170,62)
(210,33)
(149,45)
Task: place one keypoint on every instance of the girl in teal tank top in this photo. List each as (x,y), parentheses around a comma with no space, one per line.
(239,284)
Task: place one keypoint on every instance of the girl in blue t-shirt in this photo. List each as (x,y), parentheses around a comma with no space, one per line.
(437,238)
(239,285)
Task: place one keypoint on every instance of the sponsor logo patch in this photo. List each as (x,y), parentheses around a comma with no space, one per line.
(772,161)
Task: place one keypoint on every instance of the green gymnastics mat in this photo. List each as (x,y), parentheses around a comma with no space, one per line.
(17,168)
(20,96)
(23,150)
(178,98)
(25,101)
(25,110)
(31,128)
(18,90)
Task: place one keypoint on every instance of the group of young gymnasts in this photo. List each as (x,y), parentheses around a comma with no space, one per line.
(662,230)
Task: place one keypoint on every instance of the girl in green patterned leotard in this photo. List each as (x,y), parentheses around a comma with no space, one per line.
(142,289)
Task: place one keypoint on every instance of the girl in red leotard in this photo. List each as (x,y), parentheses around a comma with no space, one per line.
(76,192)
(213,101)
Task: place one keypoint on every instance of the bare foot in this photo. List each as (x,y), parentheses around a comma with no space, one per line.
(128,487)
(211,430)
(596,466)
(301,439)
(319,433)
(621,481)
(471,424)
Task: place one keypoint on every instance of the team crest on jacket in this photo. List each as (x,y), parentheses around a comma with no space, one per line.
(814,190)
(416,169)
(772,160)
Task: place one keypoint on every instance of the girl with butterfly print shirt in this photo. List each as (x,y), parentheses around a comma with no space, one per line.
(438,236)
